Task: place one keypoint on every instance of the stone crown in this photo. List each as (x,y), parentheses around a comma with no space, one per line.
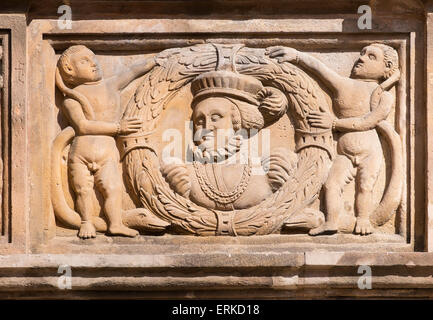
(229,83)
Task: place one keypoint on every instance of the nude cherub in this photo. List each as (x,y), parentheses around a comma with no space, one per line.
(92,105)
(360,103)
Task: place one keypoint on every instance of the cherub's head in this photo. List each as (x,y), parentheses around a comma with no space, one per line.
(376,62)
(78,65)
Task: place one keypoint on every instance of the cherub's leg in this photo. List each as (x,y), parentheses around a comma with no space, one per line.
(341,173)
(368,172)
(82,183)
(109,182)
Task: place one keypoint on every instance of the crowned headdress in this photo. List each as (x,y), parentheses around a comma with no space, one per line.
(248,92)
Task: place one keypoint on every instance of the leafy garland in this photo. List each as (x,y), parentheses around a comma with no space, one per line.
(178,67)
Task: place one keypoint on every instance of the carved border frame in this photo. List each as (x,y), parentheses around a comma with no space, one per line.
(4,107)
(428,78)
(13,135)
(47,37)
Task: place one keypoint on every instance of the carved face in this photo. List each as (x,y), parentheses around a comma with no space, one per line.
(370,65)
(212,119)
(84,67)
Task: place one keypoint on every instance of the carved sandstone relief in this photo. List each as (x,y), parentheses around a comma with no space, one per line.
(219,186)
(361,103)
(92,104)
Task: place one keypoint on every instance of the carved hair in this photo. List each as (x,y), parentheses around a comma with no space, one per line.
(390,57)
(60,81)
(272,105)
(391,77)
(245,115)
(236,115)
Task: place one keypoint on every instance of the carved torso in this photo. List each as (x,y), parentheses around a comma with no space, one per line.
(355,100)
(228,178)
(105,101)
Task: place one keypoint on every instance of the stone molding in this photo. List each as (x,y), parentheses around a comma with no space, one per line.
(230,275)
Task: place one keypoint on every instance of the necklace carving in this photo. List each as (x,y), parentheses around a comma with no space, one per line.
(219,196)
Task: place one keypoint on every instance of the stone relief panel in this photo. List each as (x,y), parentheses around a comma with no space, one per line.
(223,139)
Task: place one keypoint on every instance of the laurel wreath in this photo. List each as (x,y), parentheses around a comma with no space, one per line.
(178,67)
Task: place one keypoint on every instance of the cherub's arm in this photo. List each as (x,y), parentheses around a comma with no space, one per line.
(330,78)
(83,126)
(121,80)
(370,120)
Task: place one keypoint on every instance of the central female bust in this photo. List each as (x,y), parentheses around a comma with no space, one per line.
(228,109)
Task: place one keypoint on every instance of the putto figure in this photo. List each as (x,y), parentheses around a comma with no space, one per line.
(361,104)
(92,105)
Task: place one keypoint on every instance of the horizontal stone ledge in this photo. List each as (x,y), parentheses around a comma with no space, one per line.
(174,283)
(148,283)
(255,271)
(219,260)
(170,244)
(200,260)
(408,259)
(194,25)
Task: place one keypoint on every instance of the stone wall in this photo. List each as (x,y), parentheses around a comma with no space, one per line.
(335,174)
